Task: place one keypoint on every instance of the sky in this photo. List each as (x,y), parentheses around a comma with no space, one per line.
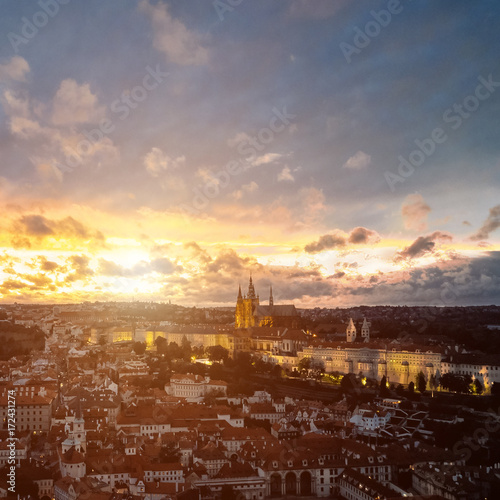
(346,153)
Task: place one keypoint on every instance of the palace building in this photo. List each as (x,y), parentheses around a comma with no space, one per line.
(250,313)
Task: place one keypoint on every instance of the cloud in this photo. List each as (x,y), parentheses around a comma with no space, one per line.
(74,103)
(361,235)
(339,239)
(79,264)
(326,242)
(245,188)
(286,175)
(423,245)
(358,161)
(160,265)
(16,69)
(38,226)
(265,159)
(173,38)
(157,162)
(489,225)
(415,212)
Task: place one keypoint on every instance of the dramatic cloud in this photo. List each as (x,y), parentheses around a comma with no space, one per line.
(338,239)
(489,225)
(16,69)
(80,269)
(361,235)
(415,212)
(423,245)
(180,45)
(38,226)
(358,161)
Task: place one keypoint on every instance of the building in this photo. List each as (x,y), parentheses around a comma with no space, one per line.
(33,407)
(399,363)
(482,367)
(249,312)
(194,386)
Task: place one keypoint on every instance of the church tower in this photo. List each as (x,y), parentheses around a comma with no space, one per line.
(271,301)
(351,331)
(365,331)
(245,307)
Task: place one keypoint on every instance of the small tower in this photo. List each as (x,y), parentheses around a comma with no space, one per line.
(251,290)
(271,301)
(351,331)
(365,331)
(239,317)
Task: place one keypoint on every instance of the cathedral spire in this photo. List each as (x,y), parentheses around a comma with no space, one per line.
(239,292)
(251,289)
(271,301)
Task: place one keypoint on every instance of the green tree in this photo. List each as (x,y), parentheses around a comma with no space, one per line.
(421,382)
(411,388)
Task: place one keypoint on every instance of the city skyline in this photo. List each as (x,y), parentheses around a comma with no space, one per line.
(346,154)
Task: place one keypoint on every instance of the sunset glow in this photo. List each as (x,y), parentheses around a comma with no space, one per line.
(172,167)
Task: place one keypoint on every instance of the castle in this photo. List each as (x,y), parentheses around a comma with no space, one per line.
(250,313)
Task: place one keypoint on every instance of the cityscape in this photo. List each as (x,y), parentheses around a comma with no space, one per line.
(249,250)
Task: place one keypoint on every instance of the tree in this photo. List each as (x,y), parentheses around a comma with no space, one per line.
(161,344)
(433,382)
(477,387)
(304,364)
(277,371)
(185,349)
(384,391)
(456,383)
(411,387)
(217,353)
(139,348)
(348,383)
(421,382)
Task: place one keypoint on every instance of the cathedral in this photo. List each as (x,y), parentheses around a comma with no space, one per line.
(250,313)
